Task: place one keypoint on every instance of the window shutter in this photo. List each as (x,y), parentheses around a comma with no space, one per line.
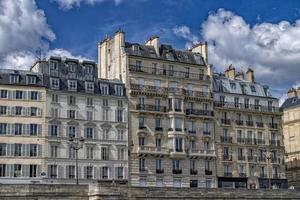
(28,111)
(84,172)
(14,94)
(49,130)
(79,172)
(8,150)
(12,149)
(12,167)
(85,132)
(96,173)
(39,129)
(39,112)
(9,94)
(8,130)
(38,170)
(60,171)
(8,110)
(29,95)
(100,172)
(39,150)
(110,173)
(25,170)
(26,129)
(27,153)
(23,149)
(116,173)
(39,96)
(7,170)
(13,110)
(25,95)
(49,171)
(13,126)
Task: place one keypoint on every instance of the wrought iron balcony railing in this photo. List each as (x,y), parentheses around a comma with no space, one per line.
(199,112)
(251,107)
(153,108)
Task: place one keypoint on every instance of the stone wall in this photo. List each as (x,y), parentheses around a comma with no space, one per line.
(106,191)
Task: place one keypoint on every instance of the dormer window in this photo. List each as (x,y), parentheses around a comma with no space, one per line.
(104,89)
(53,65)
(54,83)
(72,85)
(14,78)
(31,80)
(135,49)
(89,69)
(72,67)
(253,88)
(119,90)
(232,85)
(89,86)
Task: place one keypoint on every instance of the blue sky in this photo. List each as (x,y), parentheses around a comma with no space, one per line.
(256,33)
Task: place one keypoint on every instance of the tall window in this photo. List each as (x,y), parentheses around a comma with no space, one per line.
(104,172)
(33,148)
(119,115)
(53,171)
(120,134)
(176,165)
(53,130)
(104,89)
(104,153)
(33,171)
(178,124)
(72,85)
(54,83)
(178,144)
(3,170)
(53,151)
(89,172)
(89,101)
(142,165)
(72,100)
(89,152)
(71,171)
(121,153)
(72,131)
(89,132)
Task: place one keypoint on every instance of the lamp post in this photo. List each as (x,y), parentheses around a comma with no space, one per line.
(76,144)
(268,157)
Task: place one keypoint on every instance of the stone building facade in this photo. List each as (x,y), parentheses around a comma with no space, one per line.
(249,137)
(171,130)
(291,132)
(65,100)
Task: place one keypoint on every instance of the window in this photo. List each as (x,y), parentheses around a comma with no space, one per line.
(54,98)
(54,83)
(253,88)
(104,89)
(236,102)
(120,103)
(3,94)
(18,110)
(105,153)
(71,171)
(232,85)
(158,164)
(14,78)
(178,124)
(72,85)
(121,153)
(3,110)
(178,145)
(19,94)
(104,172)
(54,112)
(3,128)
(34,95)
(89,152)
(17,170)
(53,151)
(207,165)
(105,134)
(178,103)
(18,150)
(72,100)
(89,86)
(31,80)
(33,129)
(119,90)
(141,122)
(33,111)
(89,115)
(158,123)
(72,67)
(53,65)
(53,130)
(193,165)
(89,133)
(71,114)
(120,172)
(2,149)
(89,101)
(176,165)
(2,170)
(53,171)
(246,101)
(120,134)
(141,141)
(158,143)
(18,129)
(142,165)
(105,103)
(119,115)
(33,150)
(72,131)
(89,172)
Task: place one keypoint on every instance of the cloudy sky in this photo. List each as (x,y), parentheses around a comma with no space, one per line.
(262,34)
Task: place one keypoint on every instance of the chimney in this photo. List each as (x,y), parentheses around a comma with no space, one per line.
(239,76)
(230,72)
(202,49)
(250,75)
(292,92)
(298,92)
(154,41)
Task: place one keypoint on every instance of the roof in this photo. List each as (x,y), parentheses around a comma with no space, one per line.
(166,52)
(244,87)
(290,102)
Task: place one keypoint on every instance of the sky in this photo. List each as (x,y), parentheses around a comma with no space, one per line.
(263,35)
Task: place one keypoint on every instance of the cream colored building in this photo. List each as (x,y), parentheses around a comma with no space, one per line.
(22,119)
(291,132)
(249,139)
(171,129)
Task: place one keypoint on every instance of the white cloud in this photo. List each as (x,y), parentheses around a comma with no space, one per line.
(69,4)
(24,31)
(185,32)
(64,54)
(272,50)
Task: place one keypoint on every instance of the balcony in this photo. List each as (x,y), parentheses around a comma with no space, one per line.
(159,171)
(226,139)
(262,159)
(177,153)
(227,157)
(260,141)
(225,121)
(159,129)
(275,160)
(275,143)
(250,107)
(196,94)
(196,153)
(193,172)
(242,174)
(240,140)
(192,132)
(137,89)
(197,112)
(167,73)
(177,171)
(149,150)
(251,159)
(273,125)
(228,174)
(239,122)
(260,124)
(249,123)
(250,141)
(241,158)
(175,91)
(208,172)
(151,108)
(207,133)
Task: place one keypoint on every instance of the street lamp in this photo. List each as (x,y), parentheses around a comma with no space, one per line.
(268,157)
(76,145)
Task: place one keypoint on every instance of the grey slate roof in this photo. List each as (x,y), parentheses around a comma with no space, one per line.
(290,102)
(5,76)
(223,84)
(166,52)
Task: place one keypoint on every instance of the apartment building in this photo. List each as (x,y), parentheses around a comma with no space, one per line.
(171,129)
(291,132)
(249,139)
(22,111)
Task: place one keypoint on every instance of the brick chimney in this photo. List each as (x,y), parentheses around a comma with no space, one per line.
(250,75)
(202,49)
(154,41)
(230,72)
(292,92)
